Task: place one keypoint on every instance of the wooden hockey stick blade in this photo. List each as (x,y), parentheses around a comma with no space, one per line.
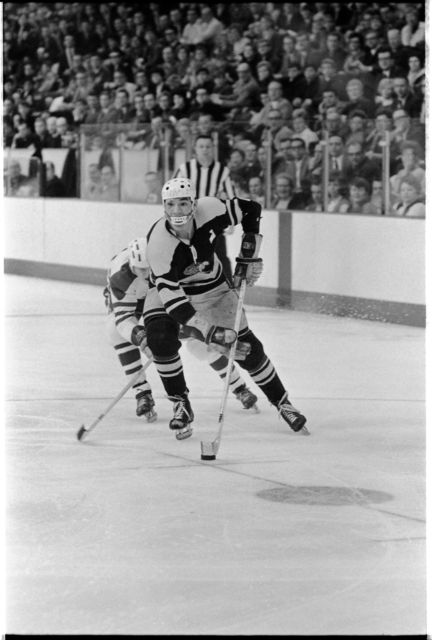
(82,431)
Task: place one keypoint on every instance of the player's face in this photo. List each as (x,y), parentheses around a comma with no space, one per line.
(179,211)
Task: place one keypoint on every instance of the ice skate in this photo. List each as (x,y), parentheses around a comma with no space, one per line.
(145,406)
(292,416)
(247,398)
(183,416)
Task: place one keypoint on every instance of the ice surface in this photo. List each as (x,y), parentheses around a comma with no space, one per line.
(129,532)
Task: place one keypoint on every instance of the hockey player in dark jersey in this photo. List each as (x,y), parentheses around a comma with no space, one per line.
(125,292)
(188,287)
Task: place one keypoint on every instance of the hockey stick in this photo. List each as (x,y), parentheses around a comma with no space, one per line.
(83,430)
(210,449)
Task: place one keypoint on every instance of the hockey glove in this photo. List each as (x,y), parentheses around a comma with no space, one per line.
(249,267)
(139,339)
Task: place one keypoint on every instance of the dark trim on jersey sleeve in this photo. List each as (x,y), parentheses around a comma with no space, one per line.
(251,215)
(121,281)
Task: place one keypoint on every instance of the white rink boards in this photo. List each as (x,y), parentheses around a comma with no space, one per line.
(129,532)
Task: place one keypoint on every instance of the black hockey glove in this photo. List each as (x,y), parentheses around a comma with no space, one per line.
(249,267)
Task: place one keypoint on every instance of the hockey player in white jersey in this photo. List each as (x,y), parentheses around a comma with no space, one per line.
(188,287)
(125,292)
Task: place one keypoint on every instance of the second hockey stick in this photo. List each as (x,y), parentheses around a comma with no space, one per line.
(83,430)
(209,449)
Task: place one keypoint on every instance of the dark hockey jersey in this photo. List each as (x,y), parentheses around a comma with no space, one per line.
(125,293)
(182,268)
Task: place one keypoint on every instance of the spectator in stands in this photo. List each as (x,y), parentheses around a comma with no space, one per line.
(99,74)
(153,188)
(410,158)
(19,185)
(358,165)
(180,107)
(245,94)
(275,101)
(413,33)
(92,109)
(317,202)
(330,79)
(289,55)
(334,124)
(25,139)
(92,187)
(404,97)
(307,54)
(329,100)
(301,128)
(385,96)
(79,113)
(357,128)
(283,192)
(356,99)
(377,196)
(298,167)
(235,165)
(203,104)
(337,190)
(256,190)
(251,165)
(53,187)
(405,130)
(41,133)
(274,127)
(209,26)
(334,49)
(294,85)
(107,113)
(416,72)
(354,63)
(336,155)
(377,139)
(54,139)
(386,67)
(183,136)
(359,198)
(411,200)
(264,75)
(109,188)
(399,52)
(372,47)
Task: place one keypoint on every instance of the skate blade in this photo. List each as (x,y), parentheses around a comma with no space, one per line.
(304,431)
(182,434)
(151,417)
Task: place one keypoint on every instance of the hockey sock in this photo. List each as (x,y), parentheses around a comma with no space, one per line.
(171,374)
(221,367)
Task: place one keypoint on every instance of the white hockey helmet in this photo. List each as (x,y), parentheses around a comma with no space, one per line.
(178,188)
(137,253)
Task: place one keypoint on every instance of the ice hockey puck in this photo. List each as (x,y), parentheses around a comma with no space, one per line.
(203,457)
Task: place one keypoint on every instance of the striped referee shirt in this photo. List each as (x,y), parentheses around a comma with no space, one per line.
(208,181)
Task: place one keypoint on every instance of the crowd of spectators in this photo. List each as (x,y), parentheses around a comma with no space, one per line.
(288,75)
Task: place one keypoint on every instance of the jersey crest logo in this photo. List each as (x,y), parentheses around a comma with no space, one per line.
(197,267)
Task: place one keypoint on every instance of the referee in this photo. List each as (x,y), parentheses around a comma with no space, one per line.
(211,178)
